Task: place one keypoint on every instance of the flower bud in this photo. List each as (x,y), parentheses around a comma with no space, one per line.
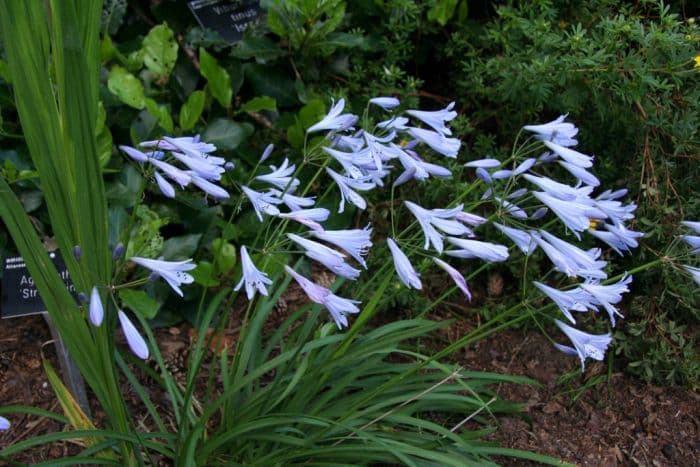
(118,251)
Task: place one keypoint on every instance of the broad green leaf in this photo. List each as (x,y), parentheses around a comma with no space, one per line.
(295,135)
(442,10)
(219,81)
(226,134)
(139,302)
(312,113)
(181,248)
(204,274)
(191,110)
(161,113)
(160,50)
(224,255)
(126,87)
(261,48)
(273,82)
(257,104)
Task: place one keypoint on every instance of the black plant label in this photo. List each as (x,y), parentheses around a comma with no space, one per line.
(230,18)
(20,296)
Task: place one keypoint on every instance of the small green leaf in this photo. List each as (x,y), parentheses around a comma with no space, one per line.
(161,113)
(219,81)
(160,50)
(295,135)
(204,274)
(257,104)
(126,87)
(181,248)
(139,302)
(191,110)
(224,255)
(226,134)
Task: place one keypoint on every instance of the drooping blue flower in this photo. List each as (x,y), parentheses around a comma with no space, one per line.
(356,242)
(419,169)
(338,307)
(618,237)
(281,177)
(524,166)
(608,295)
(308,217)
(386,103)
(443,219)
(693,241)
(501,174)
(517,193)
(436,119)
(557,131)
(262,202)
(487,251)
(484,163)
(482,174)
(577,262)
(470,219)
(134,153)
(574,214)
(191,145)
(347,186)
(136,342)
(96,310)
(165,187)
(394,123)
(456,276)
(333,260)
(575,299)
(404,268)
(522,239)
(559,190)
(347,160)
(693,225)
(615,211)
(173,272)
(511,208)
(4,424)
(335,120)
(177,175)
(585,345)
(446,146)
(571,156)
(694,273)
(215,191)
(253,278)
(202,167)
(583,175)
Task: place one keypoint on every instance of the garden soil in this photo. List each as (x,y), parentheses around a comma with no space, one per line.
(594,419)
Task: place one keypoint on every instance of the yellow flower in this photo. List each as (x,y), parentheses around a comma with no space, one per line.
(697,61)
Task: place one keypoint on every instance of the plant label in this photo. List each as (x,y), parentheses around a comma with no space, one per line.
(230,18)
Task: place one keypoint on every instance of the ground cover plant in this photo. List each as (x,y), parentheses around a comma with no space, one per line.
(181,224)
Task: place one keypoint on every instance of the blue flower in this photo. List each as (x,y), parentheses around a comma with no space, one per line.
(386,103)
(570,259)
(96,309)
(608,295)
(4,424)
(202,167)
(557,131)
(347,186)
(134,153)
(281,177)
(173,272)
(437,118)
(522,239)
(266,153)
(524,166)
(330,258)
(618,237)
(394,123)
(693,241)
(585,345)
(308,217)
(575,215)
(456,276)
(484,163)
(356,242)
(560,190)
(177,175)
(571,156)
(334,120)
(136,343)
(583,175)
(575,299)
(443,219)
(262,202)
(253,278)
(404,268)
(165,187)
(694,273)
(476,249)
(438,142)
(208,187)
(693,225)
(338,307)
